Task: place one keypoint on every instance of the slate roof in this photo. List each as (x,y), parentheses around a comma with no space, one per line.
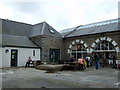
(94,28)
(16,34)
(44,29)
(20,41)
(36,30)
(19,34)
(66,31)
(16,28)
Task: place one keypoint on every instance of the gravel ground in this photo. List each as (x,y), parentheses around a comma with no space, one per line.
(33,78)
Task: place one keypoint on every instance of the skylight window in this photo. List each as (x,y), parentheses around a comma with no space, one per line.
(52,31)
(94,25)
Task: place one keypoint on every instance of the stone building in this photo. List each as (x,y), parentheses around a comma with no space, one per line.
(49,40)
(42,42)
(101,37)
(15,46)
(20,40)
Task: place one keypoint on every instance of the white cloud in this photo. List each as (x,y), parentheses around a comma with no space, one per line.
(5,12)
(60,14)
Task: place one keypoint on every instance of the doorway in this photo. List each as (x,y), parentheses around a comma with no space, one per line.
(14,57)
(54,55)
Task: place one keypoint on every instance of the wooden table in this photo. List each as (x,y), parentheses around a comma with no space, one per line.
(35,63)
(71,64)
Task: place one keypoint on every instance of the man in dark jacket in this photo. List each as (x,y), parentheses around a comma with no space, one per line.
(96,58)
(72,59)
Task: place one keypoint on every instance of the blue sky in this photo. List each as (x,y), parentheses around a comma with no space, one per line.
(60,14)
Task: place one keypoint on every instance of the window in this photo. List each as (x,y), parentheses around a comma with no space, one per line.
(33,52)
(104,45)
(52,31)
(78,50)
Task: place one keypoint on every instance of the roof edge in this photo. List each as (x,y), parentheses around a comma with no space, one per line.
(16,21)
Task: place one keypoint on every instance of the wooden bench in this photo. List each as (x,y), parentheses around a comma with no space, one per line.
(35,63)
(31,64)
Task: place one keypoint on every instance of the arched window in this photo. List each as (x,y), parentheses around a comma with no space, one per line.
(104,46)
(78,50)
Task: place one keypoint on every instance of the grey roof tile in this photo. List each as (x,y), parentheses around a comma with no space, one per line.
(94,28)
(16,28)
(36,30)
(19,34)
(44,29)
(66,31)
(21,41)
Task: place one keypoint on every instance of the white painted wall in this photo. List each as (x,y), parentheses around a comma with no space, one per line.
(5,57)
(23,54)
(0,43)
(0,57)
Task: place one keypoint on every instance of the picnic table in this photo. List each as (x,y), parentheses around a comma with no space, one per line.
(35,62)
(71,65)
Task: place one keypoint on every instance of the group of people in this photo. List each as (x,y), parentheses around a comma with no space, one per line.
(100,63)
(84,63)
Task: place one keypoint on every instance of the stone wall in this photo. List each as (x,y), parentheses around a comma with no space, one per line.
(89,39)
(46,43)
(50,43)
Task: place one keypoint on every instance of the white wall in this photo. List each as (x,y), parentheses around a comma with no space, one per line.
(23,54)
(6,57)
(0,43)
(0,56)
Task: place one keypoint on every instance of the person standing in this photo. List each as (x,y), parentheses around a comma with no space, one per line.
(111,60)
(72,59)
(114,62)
(96,58)
(80,63)
(88,61)
(84,64)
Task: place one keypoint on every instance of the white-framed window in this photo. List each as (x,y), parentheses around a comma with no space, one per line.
(79,51)
(104,45)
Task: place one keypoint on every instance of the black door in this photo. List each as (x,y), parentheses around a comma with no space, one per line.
(14,54)
(54,55)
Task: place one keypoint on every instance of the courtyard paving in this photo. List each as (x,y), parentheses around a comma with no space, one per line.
(33,78)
